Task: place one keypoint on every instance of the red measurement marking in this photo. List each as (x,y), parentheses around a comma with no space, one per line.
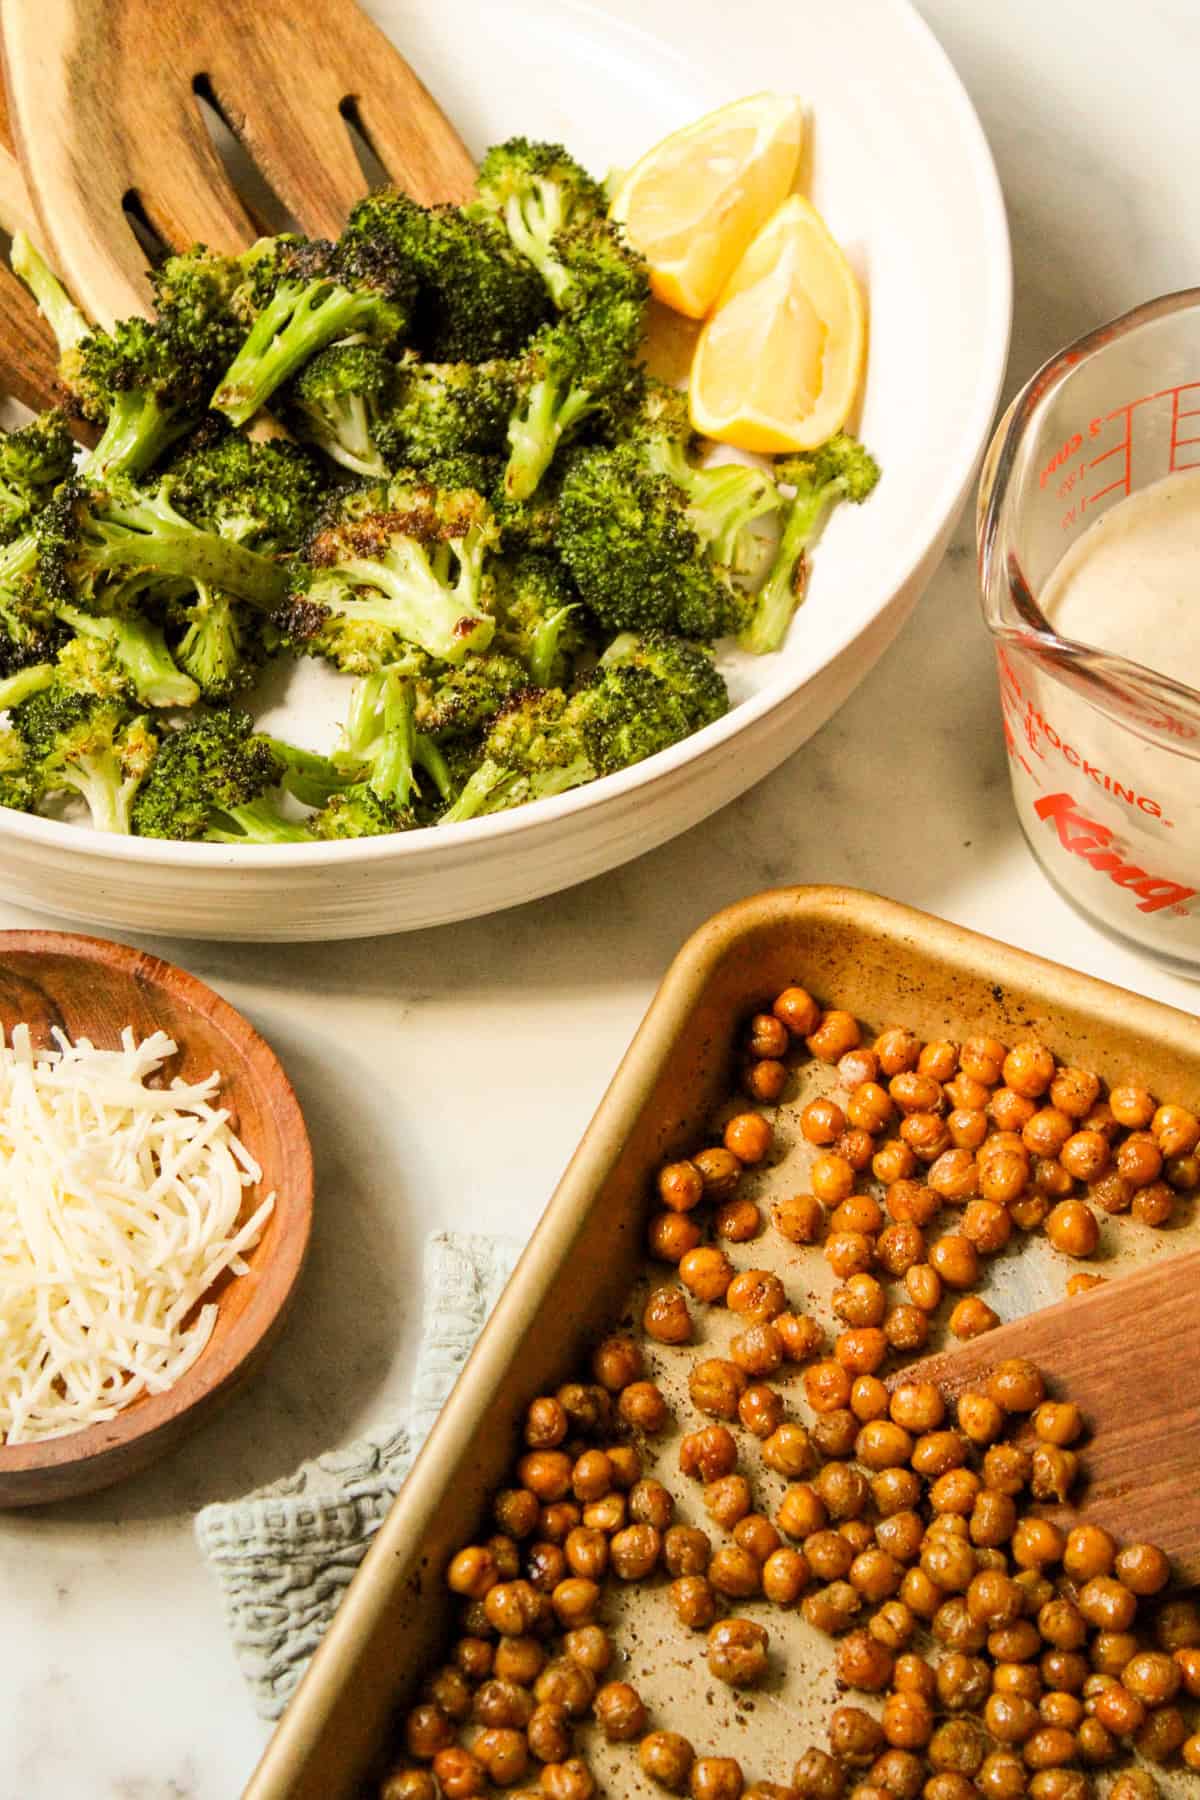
(1178,414)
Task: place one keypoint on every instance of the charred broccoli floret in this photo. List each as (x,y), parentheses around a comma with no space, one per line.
(841,469)
(456,701)
(89,536)
(580,367)
(535,748)
(539,618)
(19,787)
(338,402)
(208,773)
(477,299)
(538,191)
(404,566)
(355,813)
(33,460)
(87,742)
(441,410)
(625,535)
(299,295)
(687,670)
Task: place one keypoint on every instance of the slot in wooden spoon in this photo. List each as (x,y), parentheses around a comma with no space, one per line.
(104,103)
(28,353)
(1126,1354)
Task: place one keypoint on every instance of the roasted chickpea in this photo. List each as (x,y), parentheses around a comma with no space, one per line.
(459,1774)
(827,1386)
(938,1451)
(716,1778)
(895,1491)
(893,1161)
(863,1663)
(971,1317)
(1177,1626)
(472,1572)
(1119,1711)
(592,1476)
(1053,1472)
(844,1490)
(1164,1732)
(589,1646)
(1153,1205)
(956,1260)
(802,1337)
(963,1682)
(801,1511)
(706,1273)
(650,1503)
(715,1386)
(720,1170)
(756,1295)
(694,1601)
(586,1552)
(504,1754)
(822,1121)
(797,1009)
(686,1550)
(569,1780)
(949,1562)
(849,1252)
(906,1328)
(993,1519)
(869,1399)
(883,1444)
(833,1608)
(1133,1784)
(643,1405)
(854,1736)
(670,1236)
(817,1777)
(748,1135)
(800,1218)
(958,1747)
(408,1784)
(728,1500)
(789,1451)
(760,1410)
(901,1534)
(828,1554)
(1107,1604)
(1142,1568)
(862,1350)
(1063,1671)
(1028,1069)
(785,1575)
(737,1221)
(634,1552)
(1010,1111)
(764,1080)
(737,1652)
(758,1350)
(620,1712)
(568,1684)
(924,1286)
(665,1319)
(708,1454)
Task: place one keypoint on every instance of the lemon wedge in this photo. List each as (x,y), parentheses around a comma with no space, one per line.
(694,202)
(778,365)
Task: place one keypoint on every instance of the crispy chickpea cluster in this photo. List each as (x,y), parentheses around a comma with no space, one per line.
(1003,1655)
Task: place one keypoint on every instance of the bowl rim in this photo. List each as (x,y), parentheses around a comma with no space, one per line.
(956,463)
(152,1413)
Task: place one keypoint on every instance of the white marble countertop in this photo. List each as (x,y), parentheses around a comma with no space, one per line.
(114,1665)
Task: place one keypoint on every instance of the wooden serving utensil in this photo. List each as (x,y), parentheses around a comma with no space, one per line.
(28,353)
(103,95)
(1126,1354)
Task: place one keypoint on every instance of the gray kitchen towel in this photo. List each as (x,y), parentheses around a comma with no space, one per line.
(284,1555)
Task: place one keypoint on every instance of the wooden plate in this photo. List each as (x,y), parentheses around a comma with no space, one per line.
(89,987)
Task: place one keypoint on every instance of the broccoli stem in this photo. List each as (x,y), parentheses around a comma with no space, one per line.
(25,682)
(488,782)
(783,589)
(55,305)
(543,649)
(535,434)
(347,439)
(722,501)
(150,534)
(141,650)
(531,225)
(292,327)
(136,434)
(258,822)
(308,777)
(210,650)
(393,776)
(403,594)
(109,798)
(427,756)
(18,559)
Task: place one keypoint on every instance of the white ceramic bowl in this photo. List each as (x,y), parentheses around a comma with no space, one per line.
(902,172)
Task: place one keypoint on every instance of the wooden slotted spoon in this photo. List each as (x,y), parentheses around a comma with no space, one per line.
(104,102)
(1126,1355)
(28,354)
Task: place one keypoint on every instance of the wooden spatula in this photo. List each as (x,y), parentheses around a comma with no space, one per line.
(1127,1354)
(28,353)
(103,95)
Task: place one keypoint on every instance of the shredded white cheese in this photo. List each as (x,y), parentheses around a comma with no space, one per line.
(120,1204)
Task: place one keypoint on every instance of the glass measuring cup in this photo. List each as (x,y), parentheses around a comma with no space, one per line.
(1104,753)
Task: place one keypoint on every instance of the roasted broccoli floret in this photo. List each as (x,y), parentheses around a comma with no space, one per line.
(263,495)
(535,748)
(543,742)
(441,410)
(207,773)
(539,618)
(477,298)
(723,499)
(405,565)
(580,367)
(455,701)
(90,535)
(29,631)
(538,191)
(686,669)
(20,790)
(841,469)
(338,401)
(33,461)
(88,743)
(625,535)
(357,812)
(299,295)
(146,383)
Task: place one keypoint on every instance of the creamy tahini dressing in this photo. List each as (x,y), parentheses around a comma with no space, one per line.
(1131,584)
